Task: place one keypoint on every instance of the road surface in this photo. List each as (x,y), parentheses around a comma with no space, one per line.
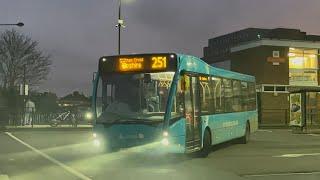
(271,154)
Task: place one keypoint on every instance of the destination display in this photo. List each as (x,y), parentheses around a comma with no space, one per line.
(138,63)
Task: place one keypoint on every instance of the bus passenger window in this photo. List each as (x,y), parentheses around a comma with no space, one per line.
(236,106)
(218,101)
(205,95)
(244,96)
(228,95)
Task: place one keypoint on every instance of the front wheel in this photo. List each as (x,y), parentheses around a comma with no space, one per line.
(204,152)
(246,138)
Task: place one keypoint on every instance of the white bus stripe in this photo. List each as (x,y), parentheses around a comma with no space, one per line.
(65,167)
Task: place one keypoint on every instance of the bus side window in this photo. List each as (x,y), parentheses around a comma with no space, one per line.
(236,105)
(205,95)
(228,95)
(244,96)
(217,91)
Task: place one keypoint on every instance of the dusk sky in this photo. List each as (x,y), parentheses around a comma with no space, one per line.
(77,32)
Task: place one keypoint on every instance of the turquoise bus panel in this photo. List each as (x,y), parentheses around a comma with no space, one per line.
(177,132)
(194,64)
(127,135)
(227,126)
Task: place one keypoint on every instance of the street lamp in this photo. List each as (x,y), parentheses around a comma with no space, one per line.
(19,24)
(119,26)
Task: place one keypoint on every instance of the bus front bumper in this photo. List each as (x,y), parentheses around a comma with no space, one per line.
(164,145)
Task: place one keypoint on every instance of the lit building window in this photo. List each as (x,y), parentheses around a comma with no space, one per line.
(303,67)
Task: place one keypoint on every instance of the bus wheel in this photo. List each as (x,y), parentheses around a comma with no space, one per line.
(204,152)
(245,139)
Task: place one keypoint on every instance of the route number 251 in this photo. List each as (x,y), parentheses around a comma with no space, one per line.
(159,62)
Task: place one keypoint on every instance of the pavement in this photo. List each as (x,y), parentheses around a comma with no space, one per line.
(271,154)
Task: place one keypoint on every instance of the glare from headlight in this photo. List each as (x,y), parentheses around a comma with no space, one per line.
(165,141)
(94,135)
(89,115)
(96,142)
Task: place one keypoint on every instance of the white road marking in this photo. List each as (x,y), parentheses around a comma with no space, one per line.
(314,134)
(298,155)
(65,167)
(4,177)
(282,174)
(263,130)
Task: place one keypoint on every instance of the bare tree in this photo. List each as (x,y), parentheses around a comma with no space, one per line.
(20,59)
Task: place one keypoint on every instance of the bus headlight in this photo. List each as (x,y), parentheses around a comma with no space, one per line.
(88,115)
(165,134)
(165,141)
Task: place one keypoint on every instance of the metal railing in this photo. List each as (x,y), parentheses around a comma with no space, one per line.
(36,118)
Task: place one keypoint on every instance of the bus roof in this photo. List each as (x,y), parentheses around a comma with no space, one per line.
(194,64)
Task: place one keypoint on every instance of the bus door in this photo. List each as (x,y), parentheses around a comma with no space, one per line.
(192,113)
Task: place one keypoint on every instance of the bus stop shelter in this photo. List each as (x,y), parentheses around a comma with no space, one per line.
(304,108)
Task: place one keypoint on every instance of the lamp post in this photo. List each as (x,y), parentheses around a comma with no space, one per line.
(119,26)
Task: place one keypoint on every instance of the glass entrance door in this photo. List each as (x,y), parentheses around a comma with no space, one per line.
(192,113)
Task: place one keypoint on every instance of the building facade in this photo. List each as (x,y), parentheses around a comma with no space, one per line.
(280,59)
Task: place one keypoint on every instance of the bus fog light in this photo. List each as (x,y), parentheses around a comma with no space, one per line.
(165,141)
(96,142)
